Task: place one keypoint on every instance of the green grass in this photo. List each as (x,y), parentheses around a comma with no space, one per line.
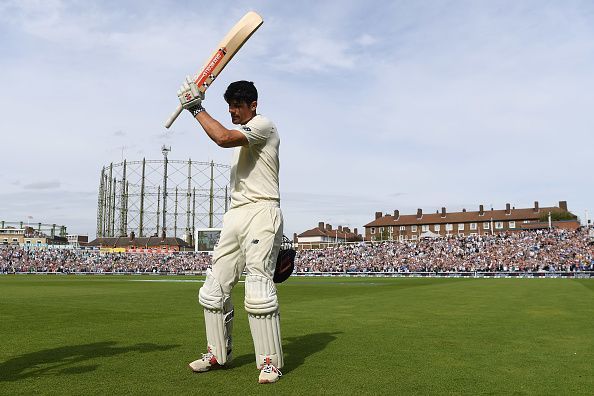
(108,335)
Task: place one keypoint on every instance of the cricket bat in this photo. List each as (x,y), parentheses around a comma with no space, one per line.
(225,51)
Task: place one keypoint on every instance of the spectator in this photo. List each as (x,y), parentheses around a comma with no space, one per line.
(528,251)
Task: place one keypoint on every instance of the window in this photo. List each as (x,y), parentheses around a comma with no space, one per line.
(486,225)
(381,230)
(400,238)
(15,240)
(436,227)
(512,224)
(373,230)
(499,225)
(473,226)
(402,228)
(413,228)
(449,227)
(461,227)
(424,228)
(390,230)
(526,221)
(414,237)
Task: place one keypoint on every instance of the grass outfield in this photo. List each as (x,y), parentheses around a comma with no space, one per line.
(116,335)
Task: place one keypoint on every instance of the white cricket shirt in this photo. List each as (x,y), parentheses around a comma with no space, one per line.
(254,170)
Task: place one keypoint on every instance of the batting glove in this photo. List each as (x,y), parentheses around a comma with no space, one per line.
(190,97)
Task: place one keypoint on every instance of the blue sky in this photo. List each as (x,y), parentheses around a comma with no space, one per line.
(380,105)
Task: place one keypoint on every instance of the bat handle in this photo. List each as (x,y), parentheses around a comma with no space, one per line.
(173,116)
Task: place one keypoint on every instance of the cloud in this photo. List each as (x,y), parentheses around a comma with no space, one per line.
(47,185)
(75,209)
(314,51)
(366,40)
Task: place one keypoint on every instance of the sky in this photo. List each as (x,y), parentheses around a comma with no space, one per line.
(380,105)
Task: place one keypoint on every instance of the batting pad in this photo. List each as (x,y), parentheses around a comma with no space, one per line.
(218,318)
(261,303)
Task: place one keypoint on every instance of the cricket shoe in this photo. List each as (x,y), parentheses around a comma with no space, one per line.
(207,362)
(269,373)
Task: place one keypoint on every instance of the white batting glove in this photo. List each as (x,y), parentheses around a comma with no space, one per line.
(190,97)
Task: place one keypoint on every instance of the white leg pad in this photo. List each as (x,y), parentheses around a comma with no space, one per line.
(261,304)
(218,318)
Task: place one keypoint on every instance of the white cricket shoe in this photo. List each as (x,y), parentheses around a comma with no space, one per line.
(269,373)
(205,363)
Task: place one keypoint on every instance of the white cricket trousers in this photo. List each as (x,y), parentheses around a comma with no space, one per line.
(251,238)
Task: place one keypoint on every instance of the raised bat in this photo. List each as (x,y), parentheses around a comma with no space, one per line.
(225,51)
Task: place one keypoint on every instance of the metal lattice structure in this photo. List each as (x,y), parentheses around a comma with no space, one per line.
(161,197)
(41,228)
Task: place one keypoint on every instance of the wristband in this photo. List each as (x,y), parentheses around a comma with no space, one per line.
(196,109)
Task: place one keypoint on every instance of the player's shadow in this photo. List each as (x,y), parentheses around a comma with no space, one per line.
(68,360)
(296,349)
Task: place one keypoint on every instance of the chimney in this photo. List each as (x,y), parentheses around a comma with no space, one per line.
(347,229)
(355,232)
(443,211)
(464,210)
(419,213)
(339,228)
(563,205)
(481,210)
(321,225)
(132,236)
(294,237)
(328,227)
(507,208)
(396,214)
(536,209)
(378,215)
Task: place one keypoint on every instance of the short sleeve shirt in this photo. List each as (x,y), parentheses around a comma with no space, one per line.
(255,167)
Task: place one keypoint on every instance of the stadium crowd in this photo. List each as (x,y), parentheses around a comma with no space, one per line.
(77,261)
(529,251)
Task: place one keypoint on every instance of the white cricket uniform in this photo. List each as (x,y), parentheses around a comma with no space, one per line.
(253,226)
(250,239)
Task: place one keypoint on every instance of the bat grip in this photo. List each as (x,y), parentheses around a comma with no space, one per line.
(173,116)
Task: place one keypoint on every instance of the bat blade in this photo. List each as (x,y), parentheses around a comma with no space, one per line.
(225,51)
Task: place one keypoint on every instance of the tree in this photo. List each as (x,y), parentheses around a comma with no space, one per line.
(558,216)
(382,234)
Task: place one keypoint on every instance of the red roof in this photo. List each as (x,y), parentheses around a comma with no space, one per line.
(463,217)
(331,233)
(138,242)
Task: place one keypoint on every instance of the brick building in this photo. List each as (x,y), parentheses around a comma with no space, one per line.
(77,241)
(420,225)
(132,244)
(28,237)
(324,235)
